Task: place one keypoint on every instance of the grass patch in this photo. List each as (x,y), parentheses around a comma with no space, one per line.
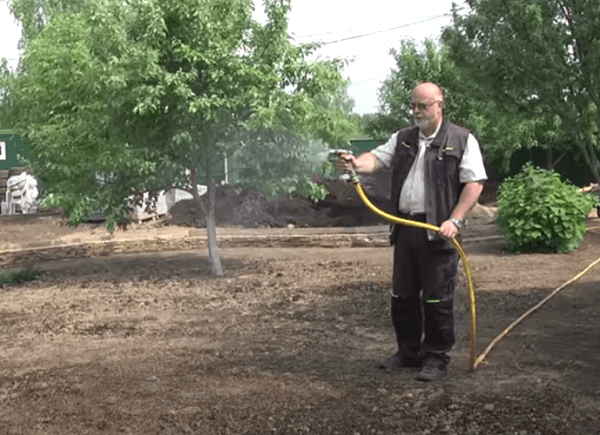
(7,278)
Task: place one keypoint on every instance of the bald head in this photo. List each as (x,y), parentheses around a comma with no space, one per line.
(428,91)
(427,104)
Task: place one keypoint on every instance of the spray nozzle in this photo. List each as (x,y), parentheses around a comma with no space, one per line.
(339,151)
(350,174)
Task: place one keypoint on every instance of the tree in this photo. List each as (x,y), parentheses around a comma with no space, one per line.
(501,132)
(280,162)
(146,94)
(35,14)
(282,159)
(536,56)
(5,83)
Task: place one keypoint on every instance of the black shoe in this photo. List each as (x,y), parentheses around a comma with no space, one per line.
(430,372)
(397,362)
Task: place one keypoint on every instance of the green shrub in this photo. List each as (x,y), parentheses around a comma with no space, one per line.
(7,278)
(538,212)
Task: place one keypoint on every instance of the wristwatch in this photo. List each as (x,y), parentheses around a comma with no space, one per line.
(457,223)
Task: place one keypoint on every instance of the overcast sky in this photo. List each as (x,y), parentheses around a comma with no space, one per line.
(388,22)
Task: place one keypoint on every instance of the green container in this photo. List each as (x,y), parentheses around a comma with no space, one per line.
(360,146)
(14,152)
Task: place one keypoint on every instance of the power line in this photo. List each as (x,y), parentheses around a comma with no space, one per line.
(435,17)
(378,25)
(365,81)
(338,31)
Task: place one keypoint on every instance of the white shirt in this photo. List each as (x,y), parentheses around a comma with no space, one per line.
(412,197)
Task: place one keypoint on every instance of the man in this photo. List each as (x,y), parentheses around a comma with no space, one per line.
(437,176)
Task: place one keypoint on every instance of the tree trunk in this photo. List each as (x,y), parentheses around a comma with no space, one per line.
(214,256)
(590,159)
(550,161)
(549,164)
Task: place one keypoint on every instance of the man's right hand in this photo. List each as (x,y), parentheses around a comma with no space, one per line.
(345,163)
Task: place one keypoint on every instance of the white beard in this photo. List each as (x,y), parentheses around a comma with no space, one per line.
(423,123)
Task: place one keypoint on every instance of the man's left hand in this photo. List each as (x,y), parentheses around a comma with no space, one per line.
(448,230)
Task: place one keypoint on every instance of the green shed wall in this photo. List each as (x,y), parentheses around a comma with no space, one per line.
(12,148)
(360,146)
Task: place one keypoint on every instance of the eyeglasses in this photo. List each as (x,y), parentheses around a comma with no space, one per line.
(421,106)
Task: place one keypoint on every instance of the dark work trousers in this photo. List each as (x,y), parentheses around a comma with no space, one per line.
(423,289)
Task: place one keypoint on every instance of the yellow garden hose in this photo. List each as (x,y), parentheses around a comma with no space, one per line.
(474,361)
(510,327)
(396,219)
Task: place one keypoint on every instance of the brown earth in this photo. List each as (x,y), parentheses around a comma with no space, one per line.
(287,342)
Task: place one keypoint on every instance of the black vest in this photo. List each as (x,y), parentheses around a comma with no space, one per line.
(442,159)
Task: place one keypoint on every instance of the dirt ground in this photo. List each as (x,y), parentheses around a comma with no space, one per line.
(287,342)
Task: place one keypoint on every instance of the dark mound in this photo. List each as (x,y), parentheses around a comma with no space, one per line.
(251,209)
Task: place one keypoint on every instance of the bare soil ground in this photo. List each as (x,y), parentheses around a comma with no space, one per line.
(287,342)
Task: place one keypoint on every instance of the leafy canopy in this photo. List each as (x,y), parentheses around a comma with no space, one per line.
(129,96)
(501,132)
(536,57)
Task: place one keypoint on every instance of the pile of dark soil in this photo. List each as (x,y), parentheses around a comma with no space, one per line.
(252,209)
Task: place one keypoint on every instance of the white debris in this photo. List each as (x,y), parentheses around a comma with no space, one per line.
(164,201)
(21,194)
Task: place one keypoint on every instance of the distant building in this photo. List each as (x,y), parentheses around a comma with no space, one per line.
(13,151)
(364,145)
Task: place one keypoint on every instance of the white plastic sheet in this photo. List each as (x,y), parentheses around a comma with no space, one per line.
(164,202)
(22,193)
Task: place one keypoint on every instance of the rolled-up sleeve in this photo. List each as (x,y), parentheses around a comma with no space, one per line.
(385,152)
(471,167)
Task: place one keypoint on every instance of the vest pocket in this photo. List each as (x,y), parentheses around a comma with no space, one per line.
(447,182)
(448,166)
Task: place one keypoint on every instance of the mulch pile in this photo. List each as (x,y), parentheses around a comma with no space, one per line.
(252,209)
